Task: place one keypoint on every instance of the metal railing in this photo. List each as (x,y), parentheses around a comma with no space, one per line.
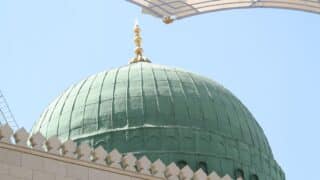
(6,116)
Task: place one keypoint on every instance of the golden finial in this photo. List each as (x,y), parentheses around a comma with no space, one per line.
(138,42)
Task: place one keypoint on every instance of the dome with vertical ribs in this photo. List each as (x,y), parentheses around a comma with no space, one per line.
(164,113)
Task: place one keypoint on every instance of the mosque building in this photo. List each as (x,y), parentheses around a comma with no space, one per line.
(168,123)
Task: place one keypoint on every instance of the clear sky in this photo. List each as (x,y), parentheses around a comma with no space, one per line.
(269,58)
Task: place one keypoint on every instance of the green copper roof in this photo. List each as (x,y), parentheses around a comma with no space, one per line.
(164,113)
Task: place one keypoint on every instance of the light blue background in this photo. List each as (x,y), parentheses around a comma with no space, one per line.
(269,58)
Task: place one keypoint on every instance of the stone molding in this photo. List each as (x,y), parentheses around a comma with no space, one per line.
(83,155)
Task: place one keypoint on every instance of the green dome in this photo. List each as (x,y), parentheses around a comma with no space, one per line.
(164,113)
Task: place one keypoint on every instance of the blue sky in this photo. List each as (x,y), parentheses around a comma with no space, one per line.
(269,58)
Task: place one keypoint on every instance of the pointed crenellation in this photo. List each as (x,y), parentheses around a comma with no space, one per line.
(214,176)
(84,152)
(21,137)
(158,168)
(200,175)
(143,165)
(129,162)
(114,159)
(172,172)
(37,141)
(99,155)
(226,177)
(69,149)
(53,145)
(186,173)
(6,133)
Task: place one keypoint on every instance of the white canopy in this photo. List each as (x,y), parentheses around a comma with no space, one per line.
(178,9)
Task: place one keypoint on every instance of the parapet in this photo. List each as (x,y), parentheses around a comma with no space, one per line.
(35,157)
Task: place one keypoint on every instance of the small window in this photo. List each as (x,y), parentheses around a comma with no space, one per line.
(239,173)
(203,165)
(181,164)
(100,143)
(254,177)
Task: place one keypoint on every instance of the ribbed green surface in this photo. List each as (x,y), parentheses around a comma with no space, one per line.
(164,113)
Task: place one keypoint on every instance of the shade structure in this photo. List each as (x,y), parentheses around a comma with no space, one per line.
(178,9)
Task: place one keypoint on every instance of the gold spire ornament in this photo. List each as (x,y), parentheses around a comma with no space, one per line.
(138,50)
